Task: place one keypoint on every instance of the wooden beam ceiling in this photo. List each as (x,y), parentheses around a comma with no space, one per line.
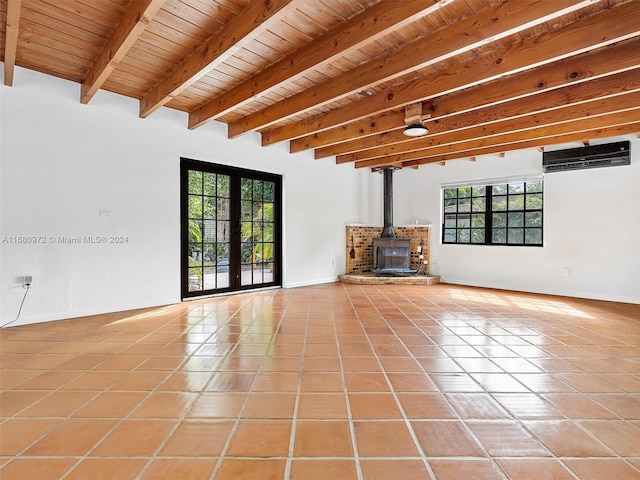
(335,77)
(487,26)
(579,95)
(527,128)
(369,26)
(135,20)
(570,72)
(616,24)
(538,142)
(241,30)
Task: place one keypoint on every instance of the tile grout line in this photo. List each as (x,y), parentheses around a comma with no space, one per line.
(236,423)
(461,421)
(395,397)
(133,409)
(491,395)
(345,390)
(177,369)
(294,420)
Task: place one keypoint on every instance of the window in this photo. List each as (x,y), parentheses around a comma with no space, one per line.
(508,213)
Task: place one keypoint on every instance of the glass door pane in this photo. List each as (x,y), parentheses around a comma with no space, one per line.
(230,228)
(257,227)
(209,231)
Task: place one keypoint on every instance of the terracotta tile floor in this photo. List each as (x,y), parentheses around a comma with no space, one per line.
(328,382)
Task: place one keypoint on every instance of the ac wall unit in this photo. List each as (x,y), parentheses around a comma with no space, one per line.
(595,156)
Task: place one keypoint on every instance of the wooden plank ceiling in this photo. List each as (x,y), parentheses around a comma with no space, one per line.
(344,77)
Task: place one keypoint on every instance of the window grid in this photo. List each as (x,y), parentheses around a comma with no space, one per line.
(209,227)
(504,214)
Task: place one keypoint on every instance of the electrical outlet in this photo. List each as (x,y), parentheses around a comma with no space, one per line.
(27,281)
(566,272)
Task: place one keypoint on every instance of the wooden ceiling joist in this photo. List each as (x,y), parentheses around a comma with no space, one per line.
(537,143)
(385,122)
(366,27)
(618,24)
(603,87)
(489,25)
(135,20)
(510,141)
(567,77)
(11,39)
(238,32)
(597,110)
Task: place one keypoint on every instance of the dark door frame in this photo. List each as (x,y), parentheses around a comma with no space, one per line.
(235,174)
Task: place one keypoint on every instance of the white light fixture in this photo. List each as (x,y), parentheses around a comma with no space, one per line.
(414,120)
(415,130)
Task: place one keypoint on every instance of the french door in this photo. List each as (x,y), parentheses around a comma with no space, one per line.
(231,228)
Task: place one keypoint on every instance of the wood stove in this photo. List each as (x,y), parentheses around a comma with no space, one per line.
(390,254)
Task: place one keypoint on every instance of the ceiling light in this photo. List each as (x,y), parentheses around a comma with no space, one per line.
(415,130)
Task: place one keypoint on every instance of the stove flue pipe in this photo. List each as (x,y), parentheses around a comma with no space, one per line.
(387,230)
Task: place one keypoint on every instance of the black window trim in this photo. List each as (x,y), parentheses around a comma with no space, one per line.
(488,185)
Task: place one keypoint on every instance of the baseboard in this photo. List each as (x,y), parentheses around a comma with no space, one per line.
(310,282)
(68,315)
(561,293)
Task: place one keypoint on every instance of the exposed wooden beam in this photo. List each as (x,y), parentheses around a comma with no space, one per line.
(129,29)
(617,24)
(502,142)
(382,123)
(348,36)
(572,94)
(486,26)
(551,139)
(236,34)
(537,143)
(568,113)
(486,133)
(11,39)
(583,67)
(619,62)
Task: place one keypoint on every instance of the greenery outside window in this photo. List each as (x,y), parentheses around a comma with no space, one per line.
(494,213)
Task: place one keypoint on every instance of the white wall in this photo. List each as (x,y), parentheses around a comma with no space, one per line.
(591,226)
(63,162)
